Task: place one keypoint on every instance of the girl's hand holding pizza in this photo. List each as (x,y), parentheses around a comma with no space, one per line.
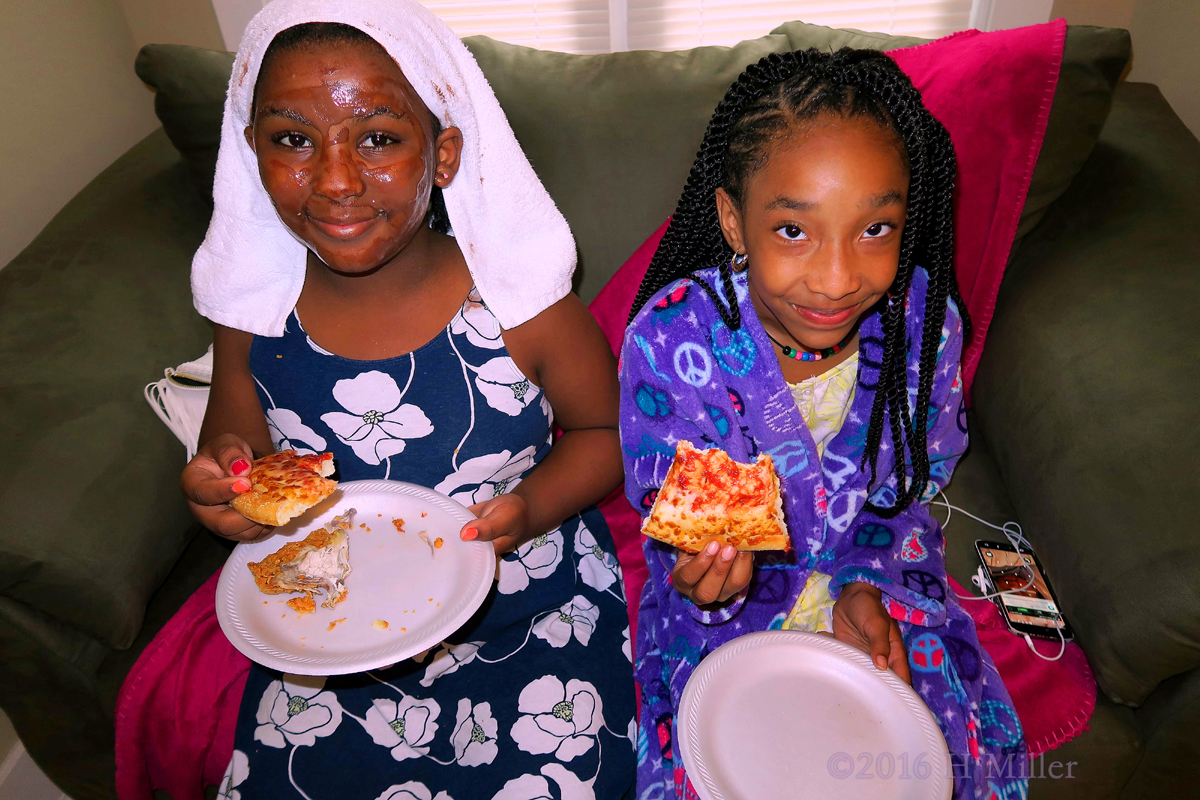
(860,619)
(218,473)
(713,575)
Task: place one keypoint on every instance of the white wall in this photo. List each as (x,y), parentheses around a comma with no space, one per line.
(1105,13)
(191,22)
(1000,15)
(233,16)
(74,102)
(73,106)
(1166,51)
(1166,44)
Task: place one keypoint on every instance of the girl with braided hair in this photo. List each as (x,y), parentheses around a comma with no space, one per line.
(803,304)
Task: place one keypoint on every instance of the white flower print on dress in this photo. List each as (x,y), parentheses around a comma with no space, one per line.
(627,645)
(478,323)
(405,727)
(237,771)
(449,659)
(288,432)
(538,558)
(411,791)
(474,736)
(484,477)
(535,787)
(570,787)
(504,385)
(295,711)
(558,719)
(377,425)
(525,787)
(576,617)
(597,568)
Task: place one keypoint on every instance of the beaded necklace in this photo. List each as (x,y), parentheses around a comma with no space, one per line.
(802,355)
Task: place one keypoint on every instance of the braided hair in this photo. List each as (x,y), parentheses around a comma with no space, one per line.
(311,35)
(763,105)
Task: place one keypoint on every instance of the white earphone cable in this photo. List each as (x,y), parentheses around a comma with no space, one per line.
(1016,537)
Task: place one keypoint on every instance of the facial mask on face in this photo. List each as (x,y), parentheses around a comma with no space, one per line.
(249,271)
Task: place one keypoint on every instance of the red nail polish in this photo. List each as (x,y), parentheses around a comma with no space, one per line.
(241,486)
(470,534)
(240,466)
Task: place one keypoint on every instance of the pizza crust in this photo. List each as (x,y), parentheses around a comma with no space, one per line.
(709,496)
(284,485)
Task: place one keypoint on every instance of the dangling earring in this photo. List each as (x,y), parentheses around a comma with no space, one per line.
(739,262)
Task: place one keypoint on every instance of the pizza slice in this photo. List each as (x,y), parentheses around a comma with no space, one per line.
(707,495)
(284,485)
(317,565)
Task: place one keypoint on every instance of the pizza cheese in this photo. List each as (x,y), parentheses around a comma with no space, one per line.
(707,495)
(284,485)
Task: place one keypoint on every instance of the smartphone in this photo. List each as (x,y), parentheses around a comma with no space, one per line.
(1034,609)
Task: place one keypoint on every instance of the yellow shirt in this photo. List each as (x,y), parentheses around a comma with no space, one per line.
(824,401)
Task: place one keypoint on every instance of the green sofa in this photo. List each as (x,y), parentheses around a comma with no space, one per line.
(1084,422)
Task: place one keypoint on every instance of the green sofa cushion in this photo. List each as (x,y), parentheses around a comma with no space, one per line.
(90,312)
(1092,63)
(614,135)
(1087,395)
(189,99)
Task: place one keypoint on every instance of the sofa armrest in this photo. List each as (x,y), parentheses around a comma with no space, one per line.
(1087,394)
(90,312)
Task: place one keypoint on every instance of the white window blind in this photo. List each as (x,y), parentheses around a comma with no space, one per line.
(571,26)
(597,26)
(679,24)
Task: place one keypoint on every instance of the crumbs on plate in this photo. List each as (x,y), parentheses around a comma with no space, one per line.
(399,523)
(335,622)
(381,624)
(303,604)
(438,543)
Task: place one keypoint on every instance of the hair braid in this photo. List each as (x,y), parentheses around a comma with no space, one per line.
(761,107)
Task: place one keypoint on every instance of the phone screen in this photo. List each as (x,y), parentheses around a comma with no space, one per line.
(1032,606)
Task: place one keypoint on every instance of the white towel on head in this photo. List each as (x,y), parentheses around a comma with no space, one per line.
(249,271)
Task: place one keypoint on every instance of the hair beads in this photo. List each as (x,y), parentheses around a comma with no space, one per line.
(768,100)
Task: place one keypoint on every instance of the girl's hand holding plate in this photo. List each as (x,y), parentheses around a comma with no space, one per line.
(503,521)
(860,619)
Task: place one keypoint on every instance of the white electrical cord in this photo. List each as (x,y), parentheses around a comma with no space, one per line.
(1016,537)
(1011,530)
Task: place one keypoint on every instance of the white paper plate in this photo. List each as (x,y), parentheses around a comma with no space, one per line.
(786,714)
(423,597)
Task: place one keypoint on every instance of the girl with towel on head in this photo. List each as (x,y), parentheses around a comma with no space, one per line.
(391,282)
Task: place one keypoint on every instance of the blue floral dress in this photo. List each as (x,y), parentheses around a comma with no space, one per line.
(534,697)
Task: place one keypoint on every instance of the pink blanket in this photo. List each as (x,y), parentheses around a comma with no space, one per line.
(1054,699)
(993,93)
(177,710)
(178,707)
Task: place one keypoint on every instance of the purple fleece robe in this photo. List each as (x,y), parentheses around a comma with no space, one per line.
(686,375)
